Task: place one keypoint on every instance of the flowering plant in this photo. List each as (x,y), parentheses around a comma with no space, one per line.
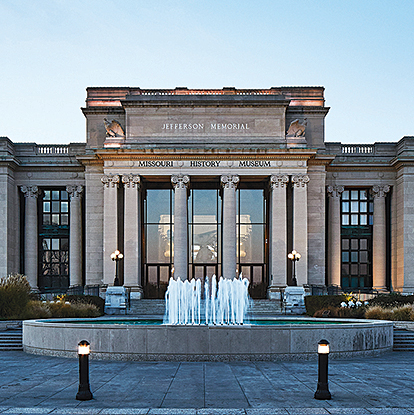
(352,302)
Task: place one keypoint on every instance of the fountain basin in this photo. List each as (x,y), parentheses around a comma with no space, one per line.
(113,340)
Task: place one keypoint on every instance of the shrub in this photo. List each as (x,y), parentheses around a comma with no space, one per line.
(36,309)
(403,313)
(313,303)
(352,312)
(378,313)
(59,309)
(327,312)
(86,310)
(391,300)
(14,295)
(88,299)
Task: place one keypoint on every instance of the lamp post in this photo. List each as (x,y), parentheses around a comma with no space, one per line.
(116,256)
(294,256)
(322,391)
(84,392)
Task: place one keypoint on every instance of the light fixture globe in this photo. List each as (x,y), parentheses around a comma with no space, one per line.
(323,347)
(84,348)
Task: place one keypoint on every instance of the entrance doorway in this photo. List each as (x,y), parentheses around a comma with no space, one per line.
(156,280)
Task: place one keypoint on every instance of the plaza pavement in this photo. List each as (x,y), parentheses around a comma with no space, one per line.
(39,385)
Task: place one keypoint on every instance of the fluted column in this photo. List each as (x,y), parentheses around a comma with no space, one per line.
(75,235)
(300,225)
(229,261)
(110,183)
(180,237)
(31,194)
(132,235)
(334,234)
(379,238)
(278,235)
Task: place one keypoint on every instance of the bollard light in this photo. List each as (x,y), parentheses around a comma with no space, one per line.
(84,391)
(322,391)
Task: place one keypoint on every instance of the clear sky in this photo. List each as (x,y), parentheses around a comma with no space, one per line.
(361,51)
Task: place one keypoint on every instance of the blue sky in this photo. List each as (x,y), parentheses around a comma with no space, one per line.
(361,51)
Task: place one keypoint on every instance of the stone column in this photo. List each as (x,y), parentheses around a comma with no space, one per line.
(132,235)
(31,194)
(278,235)
(229,261)
(379,238)
(75,235)
(300,225)
(334,234)
(180,235)
(110,183)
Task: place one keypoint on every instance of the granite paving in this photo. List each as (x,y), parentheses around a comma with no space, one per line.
(31,384)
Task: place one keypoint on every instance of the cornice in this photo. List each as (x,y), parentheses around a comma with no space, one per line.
(307,110)
(321,160)
(400,162)
(350,168)
(12,162)
(51,168)
(126,154)
(90,159)
(212,103)
(102,110)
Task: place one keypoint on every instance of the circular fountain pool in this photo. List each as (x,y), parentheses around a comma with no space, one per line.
(281,339)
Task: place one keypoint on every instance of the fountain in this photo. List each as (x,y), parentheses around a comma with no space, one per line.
(226,303)
(207,324)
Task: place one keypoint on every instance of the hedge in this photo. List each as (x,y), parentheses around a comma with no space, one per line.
(88,299)
(391,300)
(313,303)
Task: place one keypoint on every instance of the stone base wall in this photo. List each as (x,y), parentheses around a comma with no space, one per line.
(208,343)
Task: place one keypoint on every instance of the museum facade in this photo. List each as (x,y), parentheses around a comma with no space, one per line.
(190,183)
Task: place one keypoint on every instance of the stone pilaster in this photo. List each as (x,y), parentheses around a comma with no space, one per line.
(132,235)
(379,238)
(300,225)
(75,235)
(229,262)
(31,193)
(278,235)
(110,183)
(180,237)
(334,234)
(94,202)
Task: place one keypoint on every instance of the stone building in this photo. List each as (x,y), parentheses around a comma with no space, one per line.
(191,183)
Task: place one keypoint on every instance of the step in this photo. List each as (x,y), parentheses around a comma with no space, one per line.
(11,340)
(157,307)
(403,340)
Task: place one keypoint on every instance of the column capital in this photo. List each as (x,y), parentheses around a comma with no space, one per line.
(75,192)
(335,191)
(278,180)
(110,180)
(131,181)
(180,181)
(230,181)
(30,191)
(380,191)
(300,180)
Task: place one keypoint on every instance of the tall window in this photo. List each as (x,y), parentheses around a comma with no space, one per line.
(356,233)
(157,241)
(251,238)
(204,217)
(54,241)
